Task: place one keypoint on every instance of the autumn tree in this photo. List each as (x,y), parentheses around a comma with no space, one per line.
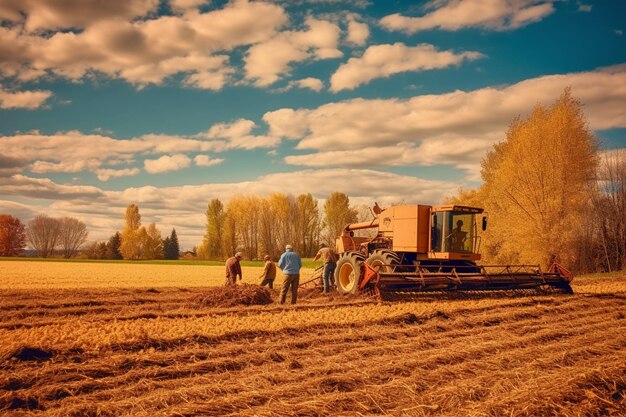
(95,250)
(306,225)
(537,184)
(72,235)
(151,242)
(12,235)
(130,246)
(113,247)
(210,248)
(171,248)
(43,234)
(337,214)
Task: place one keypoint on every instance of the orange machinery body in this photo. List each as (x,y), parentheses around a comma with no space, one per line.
(409,229)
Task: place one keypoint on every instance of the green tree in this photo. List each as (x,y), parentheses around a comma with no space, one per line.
(171,248)
(113,246)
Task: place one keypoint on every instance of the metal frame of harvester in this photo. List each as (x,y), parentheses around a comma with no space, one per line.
(421,248)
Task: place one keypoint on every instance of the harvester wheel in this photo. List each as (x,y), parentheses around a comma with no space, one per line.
(348,273)
(381,259)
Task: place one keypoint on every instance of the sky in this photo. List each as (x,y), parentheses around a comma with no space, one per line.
(168,104)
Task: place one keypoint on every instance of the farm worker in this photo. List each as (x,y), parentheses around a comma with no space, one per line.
(290,264)
(233,269)
(330,262)
(458,237)
(269,272)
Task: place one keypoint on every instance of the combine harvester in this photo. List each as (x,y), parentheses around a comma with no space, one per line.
(421,248)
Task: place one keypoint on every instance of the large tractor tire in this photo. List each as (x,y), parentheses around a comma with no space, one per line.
(348,273)
(381,260)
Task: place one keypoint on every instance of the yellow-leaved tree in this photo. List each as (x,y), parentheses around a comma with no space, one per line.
(537,184)
(130,246)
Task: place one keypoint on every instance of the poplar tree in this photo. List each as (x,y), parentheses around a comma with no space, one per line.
(130,246)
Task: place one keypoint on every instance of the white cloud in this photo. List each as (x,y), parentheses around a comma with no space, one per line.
(461,152)
(54,14)
(75,152)
(584,7)
(358,32)
(270,60)
(142,51)
(185,5)
(167,163)
(314,84)
(464,113)
(23,99)
(106,174)
(206,161)
(237,135)
(459,14)
(384,60)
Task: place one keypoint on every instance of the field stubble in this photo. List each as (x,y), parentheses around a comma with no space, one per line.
(165,352)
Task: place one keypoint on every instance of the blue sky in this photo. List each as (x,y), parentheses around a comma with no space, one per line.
(168,104)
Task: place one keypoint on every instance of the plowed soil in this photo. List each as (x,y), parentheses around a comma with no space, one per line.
(167,352)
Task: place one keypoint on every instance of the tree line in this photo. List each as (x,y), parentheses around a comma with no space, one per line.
(264,225)
(46,235)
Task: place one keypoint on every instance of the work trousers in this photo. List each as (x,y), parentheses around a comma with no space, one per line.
(290,281)
(267,281)
(329,279)
(230,281)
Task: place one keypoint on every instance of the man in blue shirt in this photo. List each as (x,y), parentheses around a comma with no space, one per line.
(290,263)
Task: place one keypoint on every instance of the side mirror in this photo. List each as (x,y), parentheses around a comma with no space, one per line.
(484,223)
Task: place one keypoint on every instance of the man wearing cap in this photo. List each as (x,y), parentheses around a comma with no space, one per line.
(330,262)
(233,269)
(269,272)
(290,264)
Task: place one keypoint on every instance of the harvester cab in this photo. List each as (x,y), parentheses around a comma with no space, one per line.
(429,248)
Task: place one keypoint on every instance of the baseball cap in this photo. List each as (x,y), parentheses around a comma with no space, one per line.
(238,255)
(288,247)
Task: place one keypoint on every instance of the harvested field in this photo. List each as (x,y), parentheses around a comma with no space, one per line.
(166,351)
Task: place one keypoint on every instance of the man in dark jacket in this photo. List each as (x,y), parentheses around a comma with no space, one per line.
(233,269)
(269,272)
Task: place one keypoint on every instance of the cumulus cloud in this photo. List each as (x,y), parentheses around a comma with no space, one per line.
(461,152)
(436,124)
(23,99)
(76,152)
(141,51)
(106,174)
(314,84)
(206,161)
(459,14)
(53,14)
(268,61)
(167,163)
(238,135)
(358,32)
(384,60)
